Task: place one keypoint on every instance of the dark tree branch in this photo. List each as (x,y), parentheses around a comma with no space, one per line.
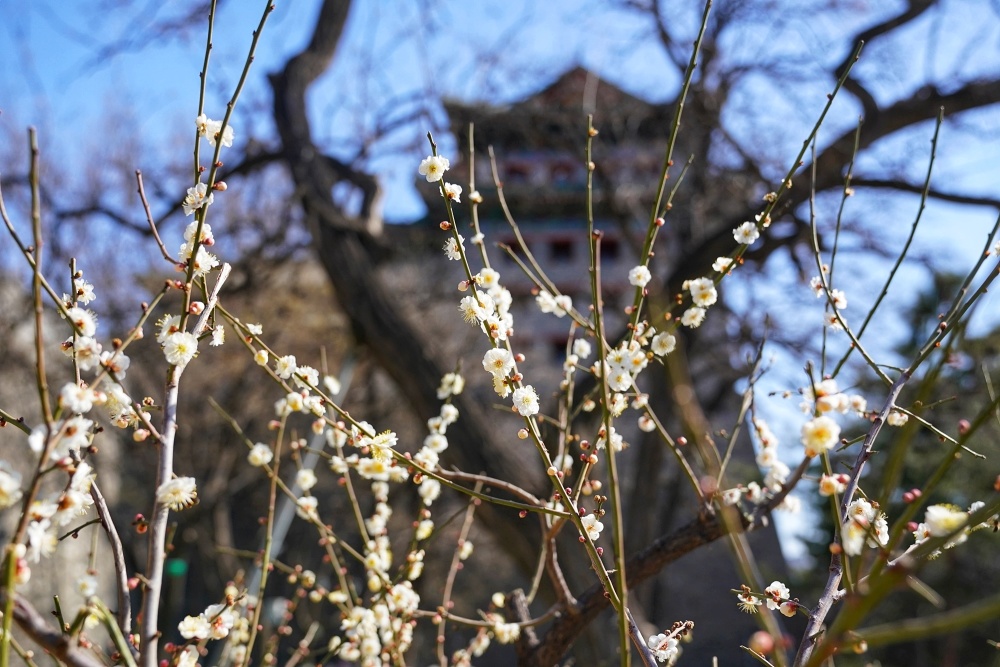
(705,529)
(57,644)
(902,186)
(343,244)
(852,85)
(922,106)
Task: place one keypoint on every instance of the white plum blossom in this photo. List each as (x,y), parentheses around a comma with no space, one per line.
(693,317)
(581,348)
(722,264)
(433,167)
(285,366)
(87,585)
(76,399)
(180,347)
(260,455)
(838,298)
(748,602)
(639,276)
(83,320)
(525,401)
(476,307)
(178,493)
(897,418)
(203,262)
(210,129)
(218,335)
(305,479)
(452,384)
(820,435)
(558,305)
(83,292)
(831,484)
(942,520)
(664,647)
(10,486)
(816,285)
(453,192)
(833,322)
(703,292)
(746,233)
(429,490)
(194,627)
(306,507)
(864,525)
(663,344)
(592,526)
(452,247)
(197,197)
(205,237)
(775,593)
(498,361)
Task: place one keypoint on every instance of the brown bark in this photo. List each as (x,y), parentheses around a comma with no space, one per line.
(345,248)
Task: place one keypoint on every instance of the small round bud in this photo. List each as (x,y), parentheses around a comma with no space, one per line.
(445,225)
(196,308)
(220,186)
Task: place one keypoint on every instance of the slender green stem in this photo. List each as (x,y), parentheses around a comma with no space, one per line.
(265,559)
(909,239)
(614,486)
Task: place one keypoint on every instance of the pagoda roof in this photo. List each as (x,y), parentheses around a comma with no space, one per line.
(555,117)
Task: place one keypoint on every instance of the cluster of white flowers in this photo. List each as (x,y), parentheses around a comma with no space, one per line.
(775,470)
(214,623)
(822,433)
(825,397)
(776,596)
(943,520)
(833,318)
(197,197)
(375,636)
(775,473)
(50,514)
(204,261)
(558,305)
(65,441)
(865,524)
(489,307)
(211,129)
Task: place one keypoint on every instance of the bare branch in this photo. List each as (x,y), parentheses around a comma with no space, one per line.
(59,645)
